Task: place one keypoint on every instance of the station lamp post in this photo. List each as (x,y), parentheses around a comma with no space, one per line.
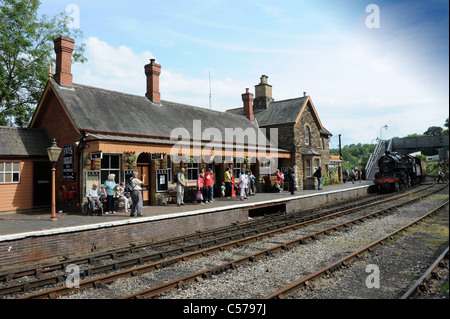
(386,127)
(53,154)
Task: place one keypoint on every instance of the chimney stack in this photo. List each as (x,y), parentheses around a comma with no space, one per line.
(263,94)
(152,71)
(64,47)
(247,98)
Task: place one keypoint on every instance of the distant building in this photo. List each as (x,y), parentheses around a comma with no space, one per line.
(335,169)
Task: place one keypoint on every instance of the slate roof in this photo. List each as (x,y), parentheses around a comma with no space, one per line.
(100,110)
(279,112)
(16,141)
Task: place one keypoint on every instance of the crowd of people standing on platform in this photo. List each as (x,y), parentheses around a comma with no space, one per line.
(130,193)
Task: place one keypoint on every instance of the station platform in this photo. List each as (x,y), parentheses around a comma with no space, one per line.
(31,237)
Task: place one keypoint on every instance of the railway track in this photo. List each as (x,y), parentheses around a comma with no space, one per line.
(262,232)
(15,281)
(305,281)
(180,282)
(93,258)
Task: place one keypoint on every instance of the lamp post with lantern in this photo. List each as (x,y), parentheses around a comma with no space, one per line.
(386,127)
(53,154)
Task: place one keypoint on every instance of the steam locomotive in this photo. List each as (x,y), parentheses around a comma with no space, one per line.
(398,171)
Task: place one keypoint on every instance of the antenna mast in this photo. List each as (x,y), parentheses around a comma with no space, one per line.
(210,89)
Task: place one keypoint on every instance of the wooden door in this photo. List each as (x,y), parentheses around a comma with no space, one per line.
(143,165)
(144,169)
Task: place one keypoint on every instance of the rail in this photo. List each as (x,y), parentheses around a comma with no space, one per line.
(420,284)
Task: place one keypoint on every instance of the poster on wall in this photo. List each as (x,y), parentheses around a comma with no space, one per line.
(91,178)
(162,180)
(68,173)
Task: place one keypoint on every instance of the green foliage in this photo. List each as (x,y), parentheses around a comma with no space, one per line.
(26,51)
(352,153)
(445,132)
(422,157)
(433,131)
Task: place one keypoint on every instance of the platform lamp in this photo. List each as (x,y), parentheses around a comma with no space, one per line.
(386,127)
(53,154)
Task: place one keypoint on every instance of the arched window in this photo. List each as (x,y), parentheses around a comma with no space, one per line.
(307,136)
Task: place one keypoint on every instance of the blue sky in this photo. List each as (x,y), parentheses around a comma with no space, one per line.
(359,78)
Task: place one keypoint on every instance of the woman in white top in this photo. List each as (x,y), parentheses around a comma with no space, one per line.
(243,183)
(123,196)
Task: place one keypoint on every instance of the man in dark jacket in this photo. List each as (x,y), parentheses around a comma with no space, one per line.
(318,174)
(291,179)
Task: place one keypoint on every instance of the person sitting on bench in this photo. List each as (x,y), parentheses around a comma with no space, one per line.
(94,195)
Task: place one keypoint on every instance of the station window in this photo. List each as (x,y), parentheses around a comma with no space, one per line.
(192,171)
(308,168)
(110,165)
(307,136)
(316,164)
(237,168)
(9,172)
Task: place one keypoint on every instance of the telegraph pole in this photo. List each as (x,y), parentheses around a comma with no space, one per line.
(340,158)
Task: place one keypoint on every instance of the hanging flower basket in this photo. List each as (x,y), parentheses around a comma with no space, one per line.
(130,158)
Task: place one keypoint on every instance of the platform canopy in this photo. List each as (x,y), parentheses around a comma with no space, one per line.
(108,143)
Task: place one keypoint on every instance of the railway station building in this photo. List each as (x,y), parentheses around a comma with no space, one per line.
(103,132)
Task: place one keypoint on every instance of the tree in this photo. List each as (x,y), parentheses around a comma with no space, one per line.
(26,52)
(352,153)
(433,131)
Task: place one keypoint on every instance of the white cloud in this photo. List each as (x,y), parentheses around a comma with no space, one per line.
(118,69)
(121,69)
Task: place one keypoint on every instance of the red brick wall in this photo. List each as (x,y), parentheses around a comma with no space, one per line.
(53,118)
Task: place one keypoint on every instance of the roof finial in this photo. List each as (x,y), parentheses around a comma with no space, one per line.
(49,70)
